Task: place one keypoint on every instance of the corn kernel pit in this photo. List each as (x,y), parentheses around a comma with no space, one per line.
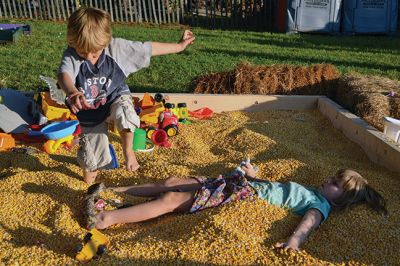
(42,199)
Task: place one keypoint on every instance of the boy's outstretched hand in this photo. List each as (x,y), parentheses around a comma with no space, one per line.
(187,39)
(77,102)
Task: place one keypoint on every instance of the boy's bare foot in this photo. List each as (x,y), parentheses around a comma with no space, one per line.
(131,162)
(89,177)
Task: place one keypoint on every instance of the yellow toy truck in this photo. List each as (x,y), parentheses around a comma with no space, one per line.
(95,244)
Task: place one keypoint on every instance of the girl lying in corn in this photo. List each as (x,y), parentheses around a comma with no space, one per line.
(342,190)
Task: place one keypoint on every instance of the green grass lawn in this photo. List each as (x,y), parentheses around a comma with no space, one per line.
(214,50)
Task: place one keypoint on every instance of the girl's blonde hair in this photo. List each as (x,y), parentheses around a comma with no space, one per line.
(89,29)
(356,190)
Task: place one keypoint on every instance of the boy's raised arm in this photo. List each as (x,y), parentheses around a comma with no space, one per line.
(159,48)
(311,220)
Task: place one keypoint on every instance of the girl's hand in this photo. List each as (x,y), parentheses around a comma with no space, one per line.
(77,102)
(187,39)
(249,170)
(286,246)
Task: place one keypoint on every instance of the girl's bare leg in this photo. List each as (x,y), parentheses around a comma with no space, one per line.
(155,189)
(168,202)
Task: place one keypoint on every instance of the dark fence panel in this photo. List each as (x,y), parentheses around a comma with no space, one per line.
(252,14)
(225,14)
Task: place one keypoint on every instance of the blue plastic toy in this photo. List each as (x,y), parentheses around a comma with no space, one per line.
(60,130)
(113,156)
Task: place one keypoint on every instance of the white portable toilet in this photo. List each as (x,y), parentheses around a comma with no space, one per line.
(314,16)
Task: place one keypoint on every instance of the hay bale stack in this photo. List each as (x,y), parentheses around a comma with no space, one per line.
(279,79)
(369,97)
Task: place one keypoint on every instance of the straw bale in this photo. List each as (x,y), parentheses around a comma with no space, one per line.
(278,79)
(369,97)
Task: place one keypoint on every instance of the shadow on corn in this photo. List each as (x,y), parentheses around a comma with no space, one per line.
(61,195)
(31,237)
(31,163)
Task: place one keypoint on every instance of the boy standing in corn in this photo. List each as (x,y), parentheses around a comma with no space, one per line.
(92,74)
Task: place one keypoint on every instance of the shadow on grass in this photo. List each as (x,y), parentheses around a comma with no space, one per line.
(305,59)
(379,45)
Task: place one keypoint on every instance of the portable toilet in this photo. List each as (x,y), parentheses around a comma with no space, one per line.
(370,16)
(308,16)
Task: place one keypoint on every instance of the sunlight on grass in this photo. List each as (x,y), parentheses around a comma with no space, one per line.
(214,50)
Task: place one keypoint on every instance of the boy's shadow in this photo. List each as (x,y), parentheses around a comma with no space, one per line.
(62,195)
(29,237)
(11,160)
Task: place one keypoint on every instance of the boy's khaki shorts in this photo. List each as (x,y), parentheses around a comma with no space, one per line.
(94,152)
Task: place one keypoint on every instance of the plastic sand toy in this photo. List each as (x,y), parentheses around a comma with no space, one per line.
(94,244)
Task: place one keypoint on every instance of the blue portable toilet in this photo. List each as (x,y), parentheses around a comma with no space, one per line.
(314,16)
(370,16)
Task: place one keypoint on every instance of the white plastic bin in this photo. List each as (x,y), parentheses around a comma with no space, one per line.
(392,128)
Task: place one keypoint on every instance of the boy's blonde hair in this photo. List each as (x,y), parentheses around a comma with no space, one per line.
(89,29)
(356,190)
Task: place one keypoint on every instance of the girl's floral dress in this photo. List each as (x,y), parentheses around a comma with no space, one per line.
(221,190)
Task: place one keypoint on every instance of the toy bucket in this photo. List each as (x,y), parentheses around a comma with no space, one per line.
(139,139)
(160,138)
(392,128)
(60,130)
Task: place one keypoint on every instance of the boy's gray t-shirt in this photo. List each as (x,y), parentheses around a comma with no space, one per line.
(117,61)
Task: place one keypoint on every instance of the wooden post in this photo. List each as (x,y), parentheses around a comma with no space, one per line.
(58,9)
(159,11)
(115,5)
(120,11)
(48,9)
(9,9)
(125,11)
(105,3)
(177,10)
(163,11)
(4,8)
(23,4)
(15,9)
(29,8)
(53,9)
(63,10)
(73,6)
(34,9)
(67,7)
(144,10)
(173,13)
(139,9)
(130,10)
(168,11)
(154,11)
(182,11)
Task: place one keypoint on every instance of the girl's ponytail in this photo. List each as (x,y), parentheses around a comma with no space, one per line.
(375,200)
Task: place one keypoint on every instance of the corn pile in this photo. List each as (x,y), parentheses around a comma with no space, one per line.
(42,199)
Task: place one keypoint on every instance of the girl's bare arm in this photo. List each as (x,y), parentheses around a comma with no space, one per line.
(310,222)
